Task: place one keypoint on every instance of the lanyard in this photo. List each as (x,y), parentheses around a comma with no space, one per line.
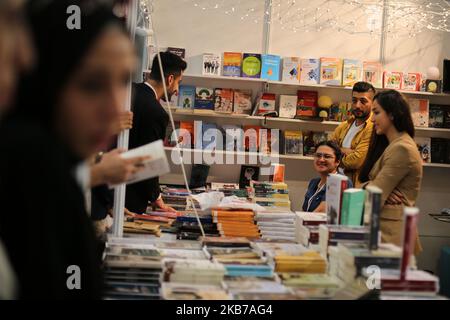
(315,194)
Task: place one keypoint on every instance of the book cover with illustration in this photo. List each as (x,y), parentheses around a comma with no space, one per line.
(288,106)
(232,62)
(293,142)
(270,69)
(242,102)
(412,81)
(331,71)
(266,103)
(223,100)
(309,71)
(373,73)
(424,147)
(352,72)
(251,65)
(306,104)
(392,80)
(212,64)
(204,98)
(186,97)
(291,70)
(419,111)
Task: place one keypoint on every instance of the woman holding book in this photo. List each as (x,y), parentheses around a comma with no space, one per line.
(65,107)
(393,163)
(326,161)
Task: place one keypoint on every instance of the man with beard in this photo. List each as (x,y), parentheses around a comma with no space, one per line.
(353,135)
(150,121)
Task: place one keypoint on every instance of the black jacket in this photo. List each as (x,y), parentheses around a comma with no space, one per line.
(150,122)
(43,221)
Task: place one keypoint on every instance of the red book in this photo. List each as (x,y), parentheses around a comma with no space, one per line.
(306,103)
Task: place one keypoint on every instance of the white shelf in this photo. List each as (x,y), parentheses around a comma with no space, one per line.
(241,79)
(243,153)
(312,86)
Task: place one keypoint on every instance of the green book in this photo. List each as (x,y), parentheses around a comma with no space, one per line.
(352,207)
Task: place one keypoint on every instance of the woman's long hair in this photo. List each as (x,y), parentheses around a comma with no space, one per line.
(397,107)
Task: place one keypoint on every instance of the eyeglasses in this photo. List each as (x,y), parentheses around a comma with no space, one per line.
(323,155)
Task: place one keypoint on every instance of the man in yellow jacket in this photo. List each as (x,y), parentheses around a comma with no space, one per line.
(353,135)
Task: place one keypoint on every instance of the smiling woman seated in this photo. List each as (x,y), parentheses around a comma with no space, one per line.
(326,161)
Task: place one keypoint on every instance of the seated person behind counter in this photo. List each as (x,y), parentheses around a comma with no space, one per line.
(326,161)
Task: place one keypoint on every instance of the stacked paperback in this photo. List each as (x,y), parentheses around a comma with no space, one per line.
(276,225)
(271,194)
(236,223)
(307,227)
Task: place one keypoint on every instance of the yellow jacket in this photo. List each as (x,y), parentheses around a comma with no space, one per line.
(360,144)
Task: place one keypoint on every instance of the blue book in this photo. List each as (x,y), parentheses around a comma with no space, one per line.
(204,98)
(211,137)
(186,97)
(271,65)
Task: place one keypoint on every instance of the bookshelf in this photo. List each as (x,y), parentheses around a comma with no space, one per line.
(284,123)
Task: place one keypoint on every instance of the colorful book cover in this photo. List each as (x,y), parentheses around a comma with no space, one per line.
(309,71)
(331,71)
(411,81)
(392,80)
(288,106)
(270,69)
(373,73)
(436,116)
(251,65)
(248,173)
(169,139)
(309,146)
(352,72)
(242,102)
(223,100)
(340,111)
(419,111)
(291,70)
(212,64)
(232,62)
(266,103)
(269,141)
(187,134)
(306,103)
(352,207)
(204,98)
(336,185)
(186,97)
(424,147)
(293,142)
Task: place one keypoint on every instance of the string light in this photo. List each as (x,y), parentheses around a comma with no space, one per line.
(405,17)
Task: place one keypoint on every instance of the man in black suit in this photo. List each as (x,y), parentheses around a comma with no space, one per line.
(150,121)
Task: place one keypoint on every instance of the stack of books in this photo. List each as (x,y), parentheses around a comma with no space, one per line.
(308,262)
(187,226)
(353,259)
(307,227)
(271,194)
(182,291)
(241,262)
(132,272)
(276,225)
(141,226)
(331,235)
(311,286)
(236,223)
(193,271)
(175,198)
(256,286)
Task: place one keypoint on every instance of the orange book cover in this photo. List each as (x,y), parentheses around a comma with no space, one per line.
(188,127)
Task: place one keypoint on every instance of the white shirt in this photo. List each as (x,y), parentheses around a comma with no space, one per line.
(150,86)
(347,143)
(8,285)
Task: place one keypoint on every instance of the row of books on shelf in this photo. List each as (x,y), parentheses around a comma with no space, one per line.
(327,71)
(305,105)
(209,136)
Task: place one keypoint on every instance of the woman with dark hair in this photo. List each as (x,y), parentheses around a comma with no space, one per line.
(393,163)
(326,161)
(65,108)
